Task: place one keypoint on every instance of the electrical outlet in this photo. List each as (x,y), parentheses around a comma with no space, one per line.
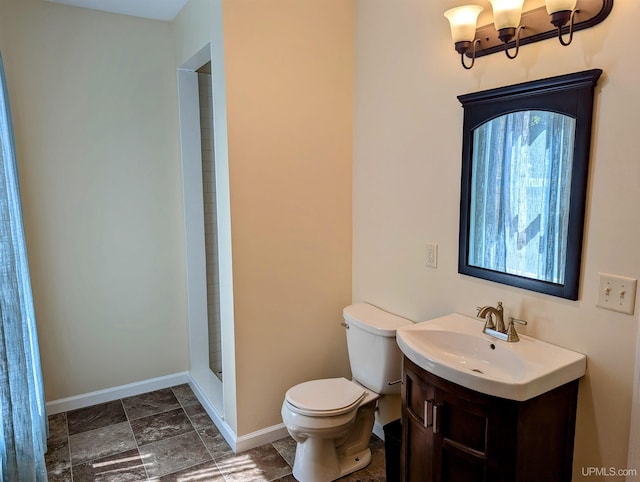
(431,257)
(617,293)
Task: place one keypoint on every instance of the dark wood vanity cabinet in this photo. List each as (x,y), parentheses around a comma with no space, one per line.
(454,434)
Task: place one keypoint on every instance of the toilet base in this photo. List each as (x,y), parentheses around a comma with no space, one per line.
(331,447)
(354,463)
(326,466)
(318,459)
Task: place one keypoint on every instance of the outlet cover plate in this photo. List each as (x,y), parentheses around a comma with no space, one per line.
(617,293)
(431,255)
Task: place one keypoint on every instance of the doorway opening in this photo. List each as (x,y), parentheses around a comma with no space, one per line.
(205,190)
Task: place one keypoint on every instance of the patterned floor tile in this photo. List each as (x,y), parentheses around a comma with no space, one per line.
(198,416)
(287,448)
(215,443)
(96,416)
(207,472)
(262,464)
(177,442)
(150,403)
(101,442)
(287,478)
(62,476)
(58,426)
(123,467)
(57,458)
(360,476)
(173,454)
(185,395)
(161,426)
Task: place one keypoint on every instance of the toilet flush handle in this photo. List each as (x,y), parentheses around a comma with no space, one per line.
(345,325)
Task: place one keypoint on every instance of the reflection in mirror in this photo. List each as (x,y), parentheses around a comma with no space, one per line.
(525,157)
(521,227)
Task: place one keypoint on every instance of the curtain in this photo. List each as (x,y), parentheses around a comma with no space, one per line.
(520,194)
(23,426)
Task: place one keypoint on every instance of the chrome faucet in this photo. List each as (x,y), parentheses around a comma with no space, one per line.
(497,328)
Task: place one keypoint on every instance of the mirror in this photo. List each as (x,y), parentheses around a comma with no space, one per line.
(525,157)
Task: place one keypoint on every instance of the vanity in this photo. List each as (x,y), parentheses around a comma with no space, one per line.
(477,408)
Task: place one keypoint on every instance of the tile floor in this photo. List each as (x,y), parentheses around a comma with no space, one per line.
(163,436)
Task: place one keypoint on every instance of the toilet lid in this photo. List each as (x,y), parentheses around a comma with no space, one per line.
(329,396)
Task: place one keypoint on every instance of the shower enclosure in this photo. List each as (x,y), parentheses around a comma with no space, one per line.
(207,235)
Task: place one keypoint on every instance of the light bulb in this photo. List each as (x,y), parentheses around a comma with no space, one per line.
(554,6)
(463,22)
(506,13)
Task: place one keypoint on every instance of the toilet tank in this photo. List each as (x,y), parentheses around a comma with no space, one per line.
(374,355)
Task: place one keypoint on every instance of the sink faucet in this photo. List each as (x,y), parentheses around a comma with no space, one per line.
(497,329)
(488,313)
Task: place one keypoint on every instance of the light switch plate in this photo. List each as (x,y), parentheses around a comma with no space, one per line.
(617,293)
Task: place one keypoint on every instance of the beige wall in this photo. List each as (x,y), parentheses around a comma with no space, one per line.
(93,99)
(289,76)
(102,198)
(3,30)
(407,159)
(94,107)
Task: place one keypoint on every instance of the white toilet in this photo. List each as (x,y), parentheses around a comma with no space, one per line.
(332,419)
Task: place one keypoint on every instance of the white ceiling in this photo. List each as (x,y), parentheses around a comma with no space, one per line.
(154,9)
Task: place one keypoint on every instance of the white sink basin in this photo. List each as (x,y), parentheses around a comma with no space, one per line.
(454,347)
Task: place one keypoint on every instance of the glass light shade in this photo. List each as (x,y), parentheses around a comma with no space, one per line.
(463,22)
(506,13)
(554,6)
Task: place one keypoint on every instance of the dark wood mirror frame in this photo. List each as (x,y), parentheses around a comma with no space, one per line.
(571,95)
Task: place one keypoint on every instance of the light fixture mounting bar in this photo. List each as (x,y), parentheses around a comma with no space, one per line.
(538,26)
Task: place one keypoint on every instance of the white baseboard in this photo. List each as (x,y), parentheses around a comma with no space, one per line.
(115,393)
(217,419)
(238,444)
(261,437)
(243,442)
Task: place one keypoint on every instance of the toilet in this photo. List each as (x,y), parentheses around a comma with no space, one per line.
(332,419)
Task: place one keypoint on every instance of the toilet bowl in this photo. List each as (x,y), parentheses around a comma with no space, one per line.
(332,419)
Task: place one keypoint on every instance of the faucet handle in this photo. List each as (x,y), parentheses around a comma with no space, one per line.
(511,330)
(516,320)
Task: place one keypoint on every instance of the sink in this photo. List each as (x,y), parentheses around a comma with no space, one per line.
(454,347)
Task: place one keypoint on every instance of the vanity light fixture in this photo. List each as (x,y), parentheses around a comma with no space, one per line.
(561,12)
(463,21)
(512,27)
(506,18)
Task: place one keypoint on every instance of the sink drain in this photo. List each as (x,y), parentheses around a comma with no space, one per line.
(477,371)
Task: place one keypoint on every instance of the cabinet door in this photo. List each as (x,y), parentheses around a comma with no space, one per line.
(453,434)
(417,423)
(460,431)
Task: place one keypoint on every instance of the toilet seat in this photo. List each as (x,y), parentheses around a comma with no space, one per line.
(325,397)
